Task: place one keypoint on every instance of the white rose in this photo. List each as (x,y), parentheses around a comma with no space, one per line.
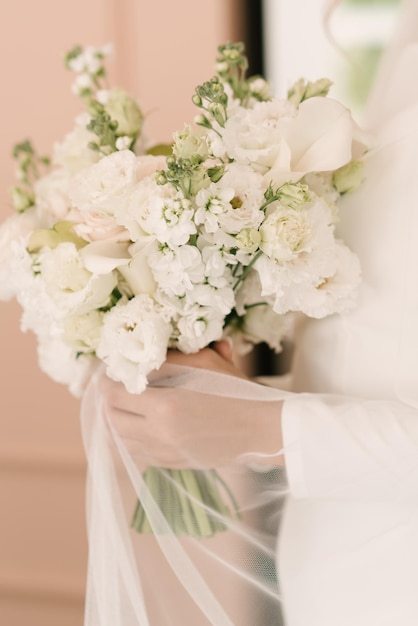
(98,190)
(335,292)
(288,233)
(124,110)
(252,137)
(188,143)
(285,233)
(73,152)
(134,341)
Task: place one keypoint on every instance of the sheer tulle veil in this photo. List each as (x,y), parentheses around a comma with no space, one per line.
(159,578)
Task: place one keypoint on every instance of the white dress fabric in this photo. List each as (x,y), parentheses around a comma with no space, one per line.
(348,546)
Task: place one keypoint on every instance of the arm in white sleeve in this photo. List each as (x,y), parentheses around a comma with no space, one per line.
(342,447)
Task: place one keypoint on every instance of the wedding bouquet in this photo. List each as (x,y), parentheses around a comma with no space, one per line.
(122,249)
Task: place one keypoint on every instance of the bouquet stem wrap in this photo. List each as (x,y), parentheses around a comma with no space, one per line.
(164,576)
(185,496)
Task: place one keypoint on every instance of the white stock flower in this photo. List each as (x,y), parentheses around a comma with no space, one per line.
(211,204)
(157,210)
(70,285)
(83,81)
(198,327)
(177,269)
(218,262)
(73,152)
(134,341)
(219,299)
(123,143)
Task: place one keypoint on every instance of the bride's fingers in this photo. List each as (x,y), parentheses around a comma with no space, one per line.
(224,349)
(143,441)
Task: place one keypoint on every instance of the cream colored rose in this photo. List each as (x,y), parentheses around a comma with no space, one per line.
(285,233)
(124,110)
(188,143)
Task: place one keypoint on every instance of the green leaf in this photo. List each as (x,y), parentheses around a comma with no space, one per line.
(51,237)
(161,149)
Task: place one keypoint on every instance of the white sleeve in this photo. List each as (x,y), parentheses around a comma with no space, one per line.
(341,447)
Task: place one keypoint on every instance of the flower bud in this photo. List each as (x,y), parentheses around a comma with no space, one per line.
(348,177)
(124,110)
(187,144)
(294,195)
(248,240)
(21,199)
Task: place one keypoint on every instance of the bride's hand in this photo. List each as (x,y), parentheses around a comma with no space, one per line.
(177,428)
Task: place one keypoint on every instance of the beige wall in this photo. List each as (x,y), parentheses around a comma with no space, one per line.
(163,50)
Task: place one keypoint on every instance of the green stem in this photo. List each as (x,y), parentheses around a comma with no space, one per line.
(247,269)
